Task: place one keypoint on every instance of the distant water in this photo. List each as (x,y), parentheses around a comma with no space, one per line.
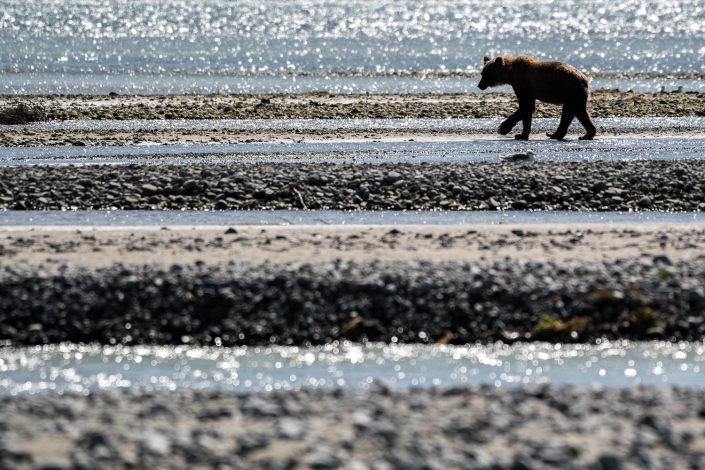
(258,45)
(82,369)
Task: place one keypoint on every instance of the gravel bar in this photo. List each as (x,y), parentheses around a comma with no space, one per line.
(593,186)
(425,302)
(326,105)
(475,428)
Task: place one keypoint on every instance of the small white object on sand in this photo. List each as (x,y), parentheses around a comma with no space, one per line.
(519,157)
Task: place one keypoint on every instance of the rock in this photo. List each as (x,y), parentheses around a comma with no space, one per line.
(155,443)
(211,414)
(256,406)
(189,186)
(493,204)
(644,202)
(608,462)
(98,445)
(148,189)
(21,114)
(291,428)
(252,441)
(392,177)
(612,191)
(599,186)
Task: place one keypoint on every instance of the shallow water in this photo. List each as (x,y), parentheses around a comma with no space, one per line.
(270,45)
(623,148)
(120,218)
(643,124)
(64,368)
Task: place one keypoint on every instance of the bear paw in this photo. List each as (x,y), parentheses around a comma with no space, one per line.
(505,128)
(586,137)
(556,137)
(521,137)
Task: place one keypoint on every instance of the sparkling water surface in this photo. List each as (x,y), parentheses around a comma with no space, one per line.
(646,138)
(207,45)
(645,124)
(151,218)
(622,148)
(82,369)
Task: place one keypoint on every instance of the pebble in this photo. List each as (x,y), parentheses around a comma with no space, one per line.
(600,429)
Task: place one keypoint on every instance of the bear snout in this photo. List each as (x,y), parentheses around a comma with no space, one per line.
(482,85)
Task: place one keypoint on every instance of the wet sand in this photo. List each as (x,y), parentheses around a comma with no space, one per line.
(313,106)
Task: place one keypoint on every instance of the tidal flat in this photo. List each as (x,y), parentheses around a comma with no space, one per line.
(476,284)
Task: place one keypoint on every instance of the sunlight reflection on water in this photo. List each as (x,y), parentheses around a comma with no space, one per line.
(63,368)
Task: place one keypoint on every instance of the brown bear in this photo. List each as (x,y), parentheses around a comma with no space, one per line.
(551,82)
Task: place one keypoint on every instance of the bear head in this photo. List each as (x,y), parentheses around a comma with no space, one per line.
(495,72)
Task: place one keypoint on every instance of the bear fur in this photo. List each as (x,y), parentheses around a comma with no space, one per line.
(551,82)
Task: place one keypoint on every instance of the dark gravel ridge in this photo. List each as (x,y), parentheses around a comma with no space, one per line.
(326,105)
(655,185)
(475,428)
(232,304)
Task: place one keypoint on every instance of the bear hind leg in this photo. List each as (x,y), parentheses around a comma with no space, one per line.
(585,120)
(566,118)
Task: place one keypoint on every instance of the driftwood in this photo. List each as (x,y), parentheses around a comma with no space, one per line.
(22,114)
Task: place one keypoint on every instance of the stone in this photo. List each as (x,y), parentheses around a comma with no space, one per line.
(644,202)
(155,443)
(149,189)
(392,177)
(608,462)
(189,185)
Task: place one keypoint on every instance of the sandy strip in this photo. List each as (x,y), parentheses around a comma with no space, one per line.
(24,137)
(92,247)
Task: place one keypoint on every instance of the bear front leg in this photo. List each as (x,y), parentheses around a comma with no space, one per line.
(509,123)
(526,107)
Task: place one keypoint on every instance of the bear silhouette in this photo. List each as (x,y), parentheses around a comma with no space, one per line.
(551,82)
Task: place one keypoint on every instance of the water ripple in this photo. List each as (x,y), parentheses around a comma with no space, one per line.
(81,369)
(123,39)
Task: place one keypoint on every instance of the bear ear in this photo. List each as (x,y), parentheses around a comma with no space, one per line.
(499,61)
(486,59)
